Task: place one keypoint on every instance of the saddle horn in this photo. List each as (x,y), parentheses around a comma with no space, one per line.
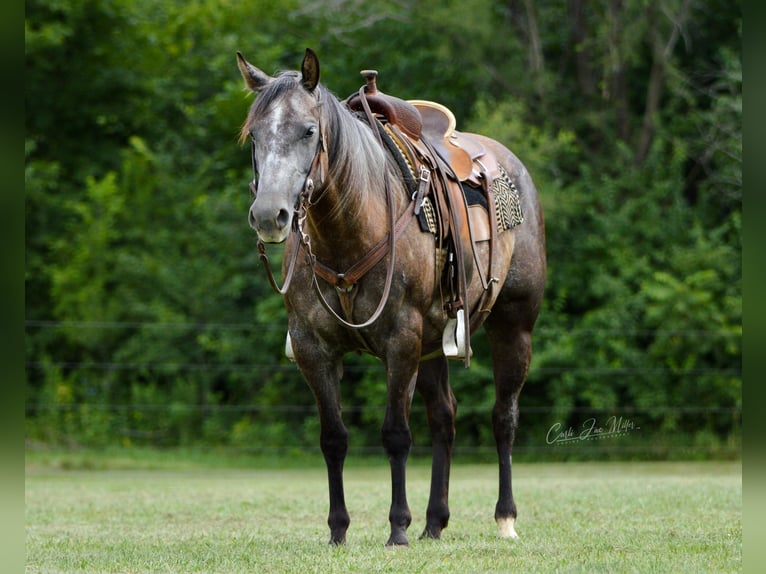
(397,111)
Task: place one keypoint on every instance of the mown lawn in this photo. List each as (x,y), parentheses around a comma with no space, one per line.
(574,517)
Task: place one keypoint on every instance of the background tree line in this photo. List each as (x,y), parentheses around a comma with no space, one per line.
(149,320)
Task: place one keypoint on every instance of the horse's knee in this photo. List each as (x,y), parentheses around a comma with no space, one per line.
(334,444)
(396,440)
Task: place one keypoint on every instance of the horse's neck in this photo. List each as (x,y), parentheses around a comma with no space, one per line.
(343,236)
(352,213)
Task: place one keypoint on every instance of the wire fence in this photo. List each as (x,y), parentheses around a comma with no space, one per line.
(629,431)
(544,432)
(275,366)
(253,326)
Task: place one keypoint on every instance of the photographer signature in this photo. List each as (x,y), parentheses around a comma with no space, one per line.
(614,426)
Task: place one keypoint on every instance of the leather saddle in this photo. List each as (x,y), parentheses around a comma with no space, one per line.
(458,149)
(395,110)
(424,133)
(422,118)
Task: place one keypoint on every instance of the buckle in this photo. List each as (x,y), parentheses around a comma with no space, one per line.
(425,180)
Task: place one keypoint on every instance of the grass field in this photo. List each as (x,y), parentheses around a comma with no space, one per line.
(599,517)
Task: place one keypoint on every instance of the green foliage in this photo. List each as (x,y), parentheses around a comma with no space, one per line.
(150,321)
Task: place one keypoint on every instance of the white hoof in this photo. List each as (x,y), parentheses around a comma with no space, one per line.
(506,528)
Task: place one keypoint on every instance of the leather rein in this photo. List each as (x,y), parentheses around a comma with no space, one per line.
(345,282)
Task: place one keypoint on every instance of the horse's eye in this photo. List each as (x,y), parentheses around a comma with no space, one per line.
(310,131)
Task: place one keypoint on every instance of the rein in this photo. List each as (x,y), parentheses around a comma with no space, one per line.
(299,217)
(343,282)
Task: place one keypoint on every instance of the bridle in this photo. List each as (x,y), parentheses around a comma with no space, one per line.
(343,282)
(299,216)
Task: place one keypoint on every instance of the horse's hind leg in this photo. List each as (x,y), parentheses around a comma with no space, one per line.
(510,339)
(433,385)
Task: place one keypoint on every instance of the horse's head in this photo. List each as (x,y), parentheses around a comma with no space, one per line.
(284,126)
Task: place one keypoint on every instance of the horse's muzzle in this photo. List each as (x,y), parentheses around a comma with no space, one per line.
(272,224)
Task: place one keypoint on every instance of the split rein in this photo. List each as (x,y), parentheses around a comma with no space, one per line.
(344,283)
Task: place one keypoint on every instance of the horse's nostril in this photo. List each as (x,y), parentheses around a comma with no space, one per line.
(251,218)
(283,218)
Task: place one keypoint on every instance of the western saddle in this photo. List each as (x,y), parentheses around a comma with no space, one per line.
(443,169)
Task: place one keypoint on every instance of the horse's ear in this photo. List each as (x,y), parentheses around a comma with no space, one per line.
(310,70)
(254,78)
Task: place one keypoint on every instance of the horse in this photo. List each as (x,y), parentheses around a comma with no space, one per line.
(325,187)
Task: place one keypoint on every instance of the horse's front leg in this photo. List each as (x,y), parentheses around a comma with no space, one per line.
(323,374)
(334,444)
(401,370)
(433,385)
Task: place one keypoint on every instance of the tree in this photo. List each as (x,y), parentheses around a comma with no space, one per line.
(149,319)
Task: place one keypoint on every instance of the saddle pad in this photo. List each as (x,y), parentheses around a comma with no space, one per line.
(427,217)
(507,202)
(474,195)
(507,205)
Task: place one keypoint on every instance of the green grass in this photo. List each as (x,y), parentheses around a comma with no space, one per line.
(602,517)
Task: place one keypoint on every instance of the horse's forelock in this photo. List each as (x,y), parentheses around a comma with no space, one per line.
(281,85)
(345,140)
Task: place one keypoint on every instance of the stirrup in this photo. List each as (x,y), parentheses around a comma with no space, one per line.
(289,348)
(453,339)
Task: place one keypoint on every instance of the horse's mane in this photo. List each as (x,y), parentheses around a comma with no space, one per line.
(348,141)
(346,138)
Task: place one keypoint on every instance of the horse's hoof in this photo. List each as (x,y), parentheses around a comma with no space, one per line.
(399,541)
(337,540)
(506,528)
(429,534)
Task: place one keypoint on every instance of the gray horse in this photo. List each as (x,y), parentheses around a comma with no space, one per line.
(324,185)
